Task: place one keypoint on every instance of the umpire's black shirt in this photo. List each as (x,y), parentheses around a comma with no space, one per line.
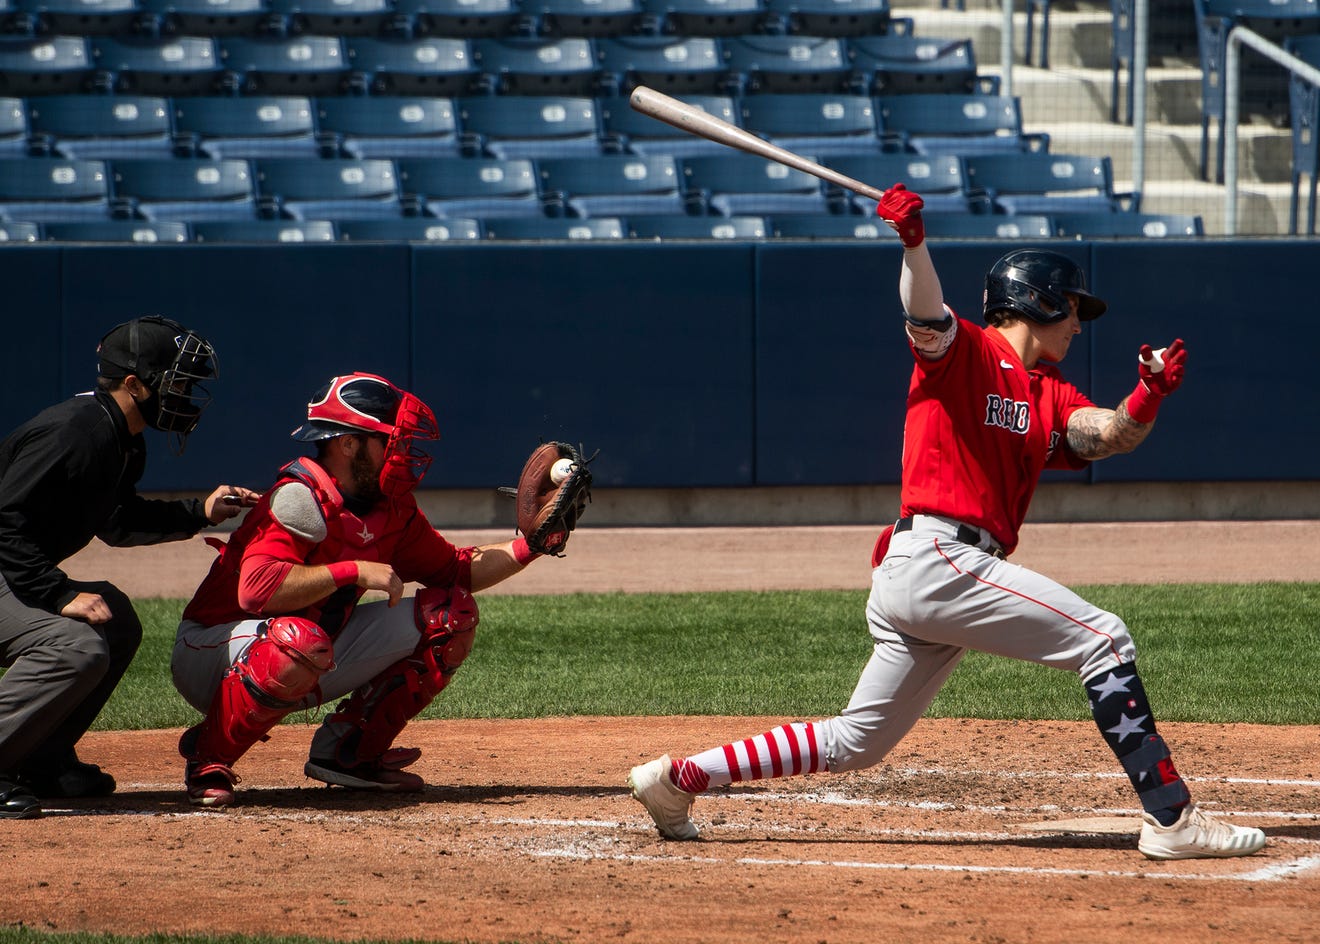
(70,474)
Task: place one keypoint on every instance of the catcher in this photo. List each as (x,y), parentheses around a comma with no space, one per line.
(275,626)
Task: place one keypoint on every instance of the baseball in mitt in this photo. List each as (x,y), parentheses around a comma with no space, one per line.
(553,490)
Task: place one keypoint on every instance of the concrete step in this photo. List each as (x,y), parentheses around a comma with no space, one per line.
(1262,208)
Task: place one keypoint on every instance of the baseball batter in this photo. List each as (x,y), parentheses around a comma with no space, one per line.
(987,413)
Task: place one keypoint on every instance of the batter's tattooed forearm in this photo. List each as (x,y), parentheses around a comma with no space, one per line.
(1096,433)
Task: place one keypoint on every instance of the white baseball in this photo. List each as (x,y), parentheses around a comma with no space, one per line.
(561,470)
(1156,360)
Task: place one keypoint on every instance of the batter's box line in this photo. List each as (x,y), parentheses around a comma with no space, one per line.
(1088,775)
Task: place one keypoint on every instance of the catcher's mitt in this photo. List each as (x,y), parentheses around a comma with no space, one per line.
(548,512)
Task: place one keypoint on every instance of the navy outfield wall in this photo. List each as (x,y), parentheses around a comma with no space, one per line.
(686,364)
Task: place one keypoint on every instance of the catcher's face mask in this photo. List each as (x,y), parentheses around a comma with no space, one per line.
(405,462)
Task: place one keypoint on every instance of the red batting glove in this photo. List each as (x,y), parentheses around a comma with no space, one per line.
(1161,373)
(901,209)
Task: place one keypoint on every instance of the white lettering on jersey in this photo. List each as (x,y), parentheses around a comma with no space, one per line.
(1007,413)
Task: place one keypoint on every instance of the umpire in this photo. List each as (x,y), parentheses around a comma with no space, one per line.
(67,475)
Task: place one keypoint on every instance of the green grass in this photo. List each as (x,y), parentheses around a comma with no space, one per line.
(1214,653)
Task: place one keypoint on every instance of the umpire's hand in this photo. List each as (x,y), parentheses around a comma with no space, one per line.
(227,501)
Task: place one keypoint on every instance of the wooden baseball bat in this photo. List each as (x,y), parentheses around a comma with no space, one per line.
(693,120)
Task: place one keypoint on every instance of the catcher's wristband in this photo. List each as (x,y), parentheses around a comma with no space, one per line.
(1143,403)
(523,554)
(345,573)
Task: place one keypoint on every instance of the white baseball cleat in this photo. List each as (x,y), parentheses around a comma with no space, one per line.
(670,807)
(1197,835)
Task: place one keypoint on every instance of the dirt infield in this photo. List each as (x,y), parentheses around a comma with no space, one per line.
(972,831)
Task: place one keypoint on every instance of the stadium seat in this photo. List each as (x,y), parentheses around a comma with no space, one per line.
(297,65)
(589,18)
(408,229)
(626,129)
(329,188)
(674,65)
(334,17)
(470,187)
(462,18)
(940,180)
(207,17)
(388,126)
(706,17)
(538,66)
(814,123)
(101,127)
(119,231)
(531,227)
(787,63)
(42,189)
(253,126)
(747,185)
(181,65)
(835,17)
(988,226)
(264,231)
(47,65)
(78,17)
(828,226)
(16,231)
(529,126)
(611,185)
(431,65)
(13,127)
(1045,184)
(900,65)
(672,226)
(1304,120)
(953,123)
(1127,225)
(171,189)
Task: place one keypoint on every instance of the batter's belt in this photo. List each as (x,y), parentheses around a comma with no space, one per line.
(966,534)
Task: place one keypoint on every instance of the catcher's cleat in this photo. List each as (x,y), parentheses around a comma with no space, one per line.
(1197,835)
(670,807)
(366,776)
(209,784)
(69,779)
(17,801)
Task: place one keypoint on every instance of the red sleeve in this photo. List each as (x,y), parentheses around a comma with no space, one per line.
(427,557)
(267,560)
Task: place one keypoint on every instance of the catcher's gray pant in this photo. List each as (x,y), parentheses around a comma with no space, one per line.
(60,674)
(934,597)
(375,637)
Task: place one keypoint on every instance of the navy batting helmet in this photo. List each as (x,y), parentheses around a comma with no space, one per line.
(1035,283)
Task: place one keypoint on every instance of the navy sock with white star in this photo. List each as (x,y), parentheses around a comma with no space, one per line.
(1121,711)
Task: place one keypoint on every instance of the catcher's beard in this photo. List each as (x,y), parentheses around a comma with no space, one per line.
(365,475)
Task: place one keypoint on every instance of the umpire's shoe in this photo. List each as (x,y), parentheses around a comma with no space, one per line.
(69,778)
(17,801)
(1197,835)
(670,807)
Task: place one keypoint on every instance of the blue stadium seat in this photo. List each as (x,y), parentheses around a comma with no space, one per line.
(432,65)
(1304,120)
(520,65)
(207,17)
(329,188)
(900,65)
(591,18)
(409,229)
(814,123)
(1045,184)
(788,63)
(626,129)
(264,231)
(829,226)
(940,180)
(462,18)
(254,126)
(47,65)
(1105,225)
(531,227)
(171,189)
(13,127)
(389,126)
(674,65)
(530,125)
(988,226)
(672,226)
(43,189)
(707,17)
(78,17)
(15,231)
(953,123)
(102,127)
(835,17)
(181,65)
(296,65)
(334,17)
(747,185)
(471,187)
(611,185)
(118,231)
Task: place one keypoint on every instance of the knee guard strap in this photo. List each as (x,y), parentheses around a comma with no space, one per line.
(376,713)
(1156,780)
(283,665)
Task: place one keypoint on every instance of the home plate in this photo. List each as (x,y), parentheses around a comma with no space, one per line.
(1117,825)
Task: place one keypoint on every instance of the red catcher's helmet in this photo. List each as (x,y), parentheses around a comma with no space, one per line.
(367,403)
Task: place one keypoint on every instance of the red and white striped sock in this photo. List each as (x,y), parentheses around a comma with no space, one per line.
(788,750)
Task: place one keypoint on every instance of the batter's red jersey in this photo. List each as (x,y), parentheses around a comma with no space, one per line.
(261,551)
(980,430)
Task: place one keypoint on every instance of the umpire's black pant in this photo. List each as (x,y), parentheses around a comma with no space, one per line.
(59,674)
